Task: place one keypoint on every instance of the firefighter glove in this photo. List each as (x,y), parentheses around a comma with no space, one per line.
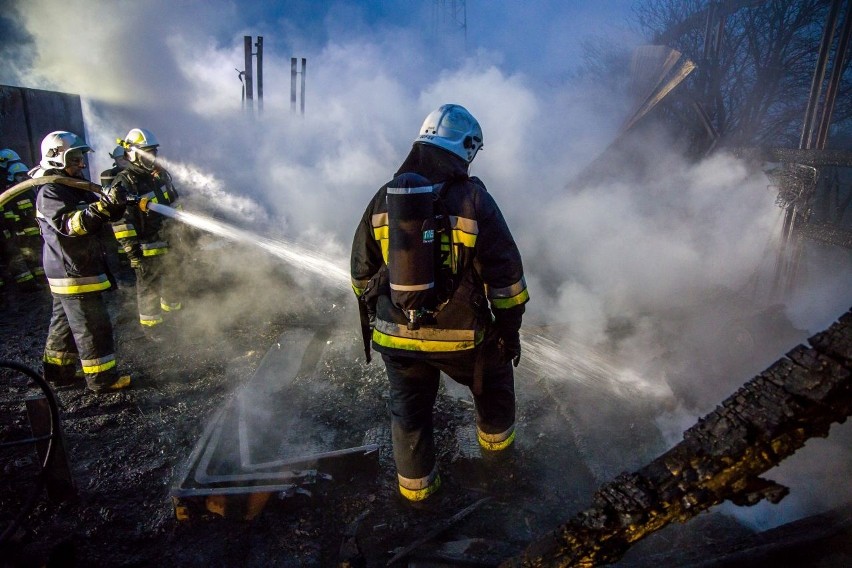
(507,324)
(112,202)
(509,347)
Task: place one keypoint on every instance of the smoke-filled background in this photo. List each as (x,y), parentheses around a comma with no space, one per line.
(653,273)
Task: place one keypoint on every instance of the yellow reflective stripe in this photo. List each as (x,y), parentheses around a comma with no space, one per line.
(384,244)
(155,249)
(60,358)
(79,285)
(464,230)
(509,296)
(395,336)
(504,303)
(150,321)
(124,231)
(25,204)
(358,286)
(508,291)
(381,232)
(496,442)
(169,306)
(75,224)
(419,489)
(462,238)
(30,231)
(91,366)
(24,276)
(155,252)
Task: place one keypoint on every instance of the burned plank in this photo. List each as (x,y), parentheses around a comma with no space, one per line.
(720,458)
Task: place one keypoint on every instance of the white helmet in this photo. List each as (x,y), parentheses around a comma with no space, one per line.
(16,168)
(452,128)
(140,145)
(56,145)
(7,156)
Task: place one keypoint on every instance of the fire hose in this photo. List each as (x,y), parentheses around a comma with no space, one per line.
(77,183)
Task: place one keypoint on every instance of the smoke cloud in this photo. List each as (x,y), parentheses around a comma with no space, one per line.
(670,275)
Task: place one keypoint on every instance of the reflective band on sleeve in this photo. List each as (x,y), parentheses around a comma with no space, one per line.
(91,366)
(396,336)
(496,442)
(358,286)
(419,489)
(25,204)
(75,224)
(509,296)
(124,231)
(30,231)
(505,303)
(79,285)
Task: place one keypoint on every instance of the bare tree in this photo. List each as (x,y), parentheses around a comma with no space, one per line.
(756,59)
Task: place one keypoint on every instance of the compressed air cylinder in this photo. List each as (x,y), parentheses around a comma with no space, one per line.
(411,243)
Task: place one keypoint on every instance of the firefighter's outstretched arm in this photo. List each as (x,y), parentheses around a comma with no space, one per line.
(365,262)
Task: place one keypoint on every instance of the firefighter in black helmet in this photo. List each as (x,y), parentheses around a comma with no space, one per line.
(460,314)
(70,219)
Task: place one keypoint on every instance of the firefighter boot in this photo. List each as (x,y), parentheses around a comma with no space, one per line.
(117,383)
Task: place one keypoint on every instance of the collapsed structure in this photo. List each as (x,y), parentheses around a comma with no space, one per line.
(720,458)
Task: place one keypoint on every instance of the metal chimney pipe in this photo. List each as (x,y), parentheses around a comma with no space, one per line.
(293,84)
(304,63)
(259,46)
(248,73)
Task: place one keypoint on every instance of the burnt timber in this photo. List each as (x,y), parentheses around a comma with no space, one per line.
(720,458)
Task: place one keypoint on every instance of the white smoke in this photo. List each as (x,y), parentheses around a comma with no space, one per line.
(674,260)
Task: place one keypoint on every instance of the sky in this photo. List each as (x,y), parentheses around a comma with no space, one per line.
(673,259)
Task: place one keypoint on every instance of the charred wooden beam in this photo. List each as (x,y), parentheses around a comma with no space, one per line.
(720,458)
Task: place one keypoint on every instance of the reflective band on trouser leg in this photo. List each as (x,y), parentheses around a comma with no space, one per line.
(155,249)
(24,277)
(99,365)
(150,321)
(419,489)
(169,306)
(59,358)
(496,442)
(82,285)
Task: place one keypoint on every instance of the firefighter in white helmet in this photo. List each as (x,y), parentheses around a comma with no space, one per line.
(441,287)
(142,234)
(70,219)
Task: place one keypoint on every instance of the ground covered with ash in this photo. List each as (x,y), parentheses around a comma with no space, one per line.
(127,450)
